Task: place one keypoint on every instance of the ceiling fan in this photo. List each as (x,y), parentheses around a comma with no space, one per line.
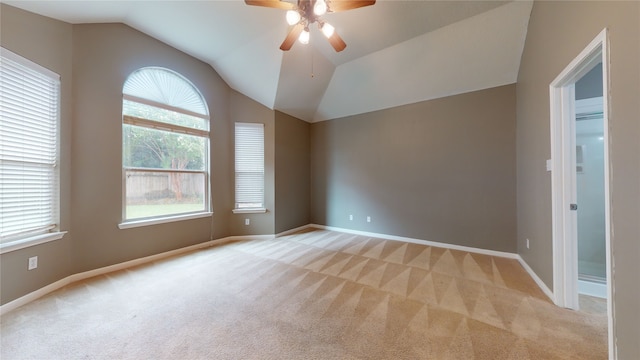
(307,12)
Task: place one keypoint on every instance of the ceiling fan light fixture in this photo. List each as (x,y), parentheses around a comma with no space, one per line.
(293,17)
(304,37)
(320,7)
(327,30)
(306,12)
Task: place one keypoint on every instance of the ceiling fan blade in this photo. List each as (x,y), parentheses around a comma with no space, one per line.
(344,5)
(336,41)
(292,37)
(277,4)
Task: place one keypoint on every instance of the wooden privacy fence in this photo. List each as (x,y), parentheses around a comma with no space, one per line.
(145,186)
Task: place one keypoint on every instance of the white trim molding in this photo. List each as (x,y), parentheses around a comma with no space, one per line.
(502,254)
(537,279)
(293,231)
(155,221)
(249,211)
(30,241)
(563,192)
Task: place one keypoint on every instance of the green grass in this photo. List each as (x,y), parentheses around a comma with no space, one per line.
(143,211)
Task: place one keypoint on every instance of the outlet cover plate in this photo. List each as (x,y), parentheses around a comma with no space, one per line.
(33,263)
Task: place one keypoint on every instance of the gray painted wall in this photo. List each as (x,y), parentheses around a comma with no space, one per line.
(48,43)
(440,170)
(292,175)
(590,85)
(558,32)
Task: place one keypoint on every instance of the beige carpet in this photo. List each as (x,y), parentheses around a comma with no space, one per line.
(313,295)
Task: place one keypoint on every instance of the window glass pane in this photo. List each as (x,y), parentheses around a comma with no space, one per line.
(151,194)
(149,112)
(157,149)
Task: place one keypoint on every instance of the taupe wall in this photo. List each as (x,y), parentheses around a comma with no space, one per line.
(48,43)
(440,170)
(292,175)
(558,31)
(244,109)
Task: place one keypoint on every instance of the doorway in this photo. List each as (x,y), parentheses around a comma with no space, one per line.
(580,147)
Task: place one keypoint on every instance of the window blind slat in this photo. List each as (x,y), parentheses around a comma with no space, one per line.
(29,99)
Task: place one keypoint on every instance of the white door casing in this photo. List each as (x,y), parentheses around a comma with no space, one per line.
(563,178)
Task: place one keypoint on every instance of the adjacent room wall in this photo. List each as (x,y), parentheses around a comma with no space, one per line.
(48,43)
(440,170)
(558,32)
(292,175)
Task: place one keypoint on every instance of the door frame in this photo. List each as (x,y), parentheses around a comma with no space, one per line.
(563,177)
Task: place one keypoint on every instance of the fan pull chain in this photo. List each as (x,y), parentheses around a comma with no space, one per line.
(312,75)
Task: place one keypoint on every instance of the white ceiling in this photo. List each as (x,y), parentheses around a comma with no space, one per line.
(398,52)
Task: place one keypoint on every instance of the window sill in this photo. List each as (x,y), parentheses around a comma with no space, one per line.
(168,219)
(250,211)
(31,241)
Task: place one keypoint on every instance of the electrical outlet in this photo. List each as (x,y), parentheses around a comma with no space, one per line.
(247,221)
(33,263)
(368,218)
(350,217)
(527,243)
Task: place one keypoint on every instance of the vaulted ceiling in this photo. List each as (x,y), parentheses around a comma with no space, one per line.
(398,52)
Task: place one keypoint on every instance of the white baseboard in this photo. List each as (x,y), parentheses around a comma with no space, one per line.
(292,231)
(537,279)
(592,289)
(23,300)
(34,295)
(503,254)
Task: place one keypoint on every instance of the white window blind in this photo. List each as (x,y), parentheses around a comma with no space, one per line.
(249,162)
(29,116)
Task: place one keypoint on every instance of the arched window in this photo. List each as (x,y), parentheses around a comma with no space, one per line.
(165,127)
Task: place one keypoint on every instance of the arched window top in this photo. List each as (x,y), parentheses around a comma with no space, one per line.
(163,86)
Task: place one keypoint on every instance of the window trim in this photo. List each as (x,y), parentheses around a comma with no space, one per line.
(173,128)
(158,125)
(24,243)
(262,207)
(163,220)
(256,210)
(164,106)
